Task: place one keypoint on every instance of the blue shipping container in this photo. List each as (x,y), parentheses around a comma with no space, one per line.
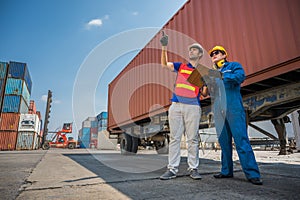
(20,70)
(14,86)
(28,81)
(84,144)
(3,70)
(16,69)
(14,104)
(86,134)
(102,115)
(17,87)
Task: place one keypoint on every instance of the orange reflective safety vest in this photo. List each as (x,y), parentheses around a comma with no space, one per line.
(183,87)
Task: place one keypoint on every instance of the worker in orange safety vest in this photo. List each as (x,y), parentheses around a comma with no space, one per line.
(184,112)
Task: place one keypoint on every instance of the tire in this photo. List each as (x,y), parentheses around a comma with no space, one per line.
(126,144)
(135,144)
(71,146)
(162,147)
(46,146)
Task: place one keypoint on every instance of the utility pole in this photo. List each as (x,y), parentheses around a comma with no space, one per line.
(47,116)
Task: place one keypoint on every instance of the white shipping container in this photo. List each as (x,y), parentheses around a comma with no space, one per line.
(30,123)
(27,140)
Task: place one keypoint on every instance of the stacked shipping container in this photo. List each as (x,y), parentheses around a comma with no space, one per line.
(15,88)
(91,127)
(89,133)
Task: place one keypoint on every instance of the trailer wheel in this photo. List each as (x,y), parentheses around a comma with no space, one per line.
(162,147)
(126,144)
(71,146)
(135,144)
(46,146)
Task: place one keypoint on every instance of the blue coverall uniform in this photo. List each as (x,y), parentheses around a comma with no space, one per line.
(230,120)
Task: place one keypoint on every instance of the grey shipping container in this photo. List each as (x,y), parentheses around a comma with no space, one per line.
(27,140)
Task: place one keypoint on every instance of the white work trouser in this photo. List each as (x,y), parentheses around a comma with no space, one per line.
(184,118)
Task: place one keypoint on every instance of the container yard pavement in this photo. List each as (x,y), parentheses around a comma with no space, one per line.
(95,174)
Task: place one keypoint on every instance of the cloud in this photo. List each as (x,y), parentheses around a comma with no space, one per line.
(94,23)
(135,13)
(44,98)
(97,22)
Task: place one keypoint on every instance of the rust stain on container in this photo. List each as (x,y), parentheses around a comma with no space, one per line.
(264,36)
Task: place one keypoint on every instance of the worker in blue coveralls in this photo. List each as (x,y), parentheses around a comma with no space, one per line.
(229,115)
(184,112)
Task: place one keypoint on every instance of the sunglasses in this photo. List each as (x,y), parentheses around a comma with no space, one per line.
(214,53)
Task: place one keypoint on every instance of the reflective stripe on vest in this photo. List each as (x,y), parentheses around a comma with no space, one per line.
(189,87)
(184,71)
(183,87)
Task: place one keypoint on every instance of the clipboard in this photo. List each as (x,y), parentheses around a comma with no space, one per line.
(196,77)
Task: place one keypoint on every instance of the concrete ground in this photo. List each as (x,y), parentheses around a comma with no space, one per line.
(95,174)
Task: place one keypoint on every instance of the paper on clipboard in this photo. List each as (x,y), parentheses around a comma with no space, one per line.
(196,77)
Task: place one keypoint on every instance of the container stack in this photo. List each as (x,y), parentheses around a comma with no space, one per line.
(17,89)
(15,85)
(104,141)
(88,135)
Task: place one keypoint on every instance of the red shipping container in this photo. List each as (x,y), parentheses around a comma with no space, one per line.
(94,133)
(262,35)
(9,121)
(32,107)
(8,140)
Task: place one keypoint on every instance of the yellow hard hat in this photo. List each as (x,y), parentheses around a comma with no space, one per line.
(220,48)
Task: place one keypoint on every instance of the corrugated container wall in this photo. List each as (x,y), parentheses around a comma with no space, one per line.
(9,121)
(264,36)
(14,104)
(86,137)
(27,140)
(8,140)
(3,70)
